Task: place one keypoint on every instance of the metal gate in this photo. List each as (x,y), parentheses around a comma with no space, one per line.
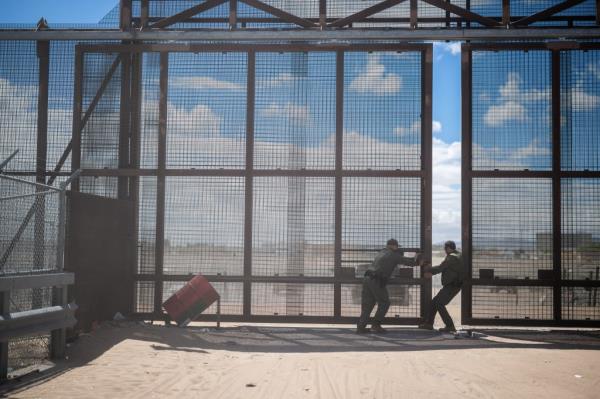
(531,183)
(277,171)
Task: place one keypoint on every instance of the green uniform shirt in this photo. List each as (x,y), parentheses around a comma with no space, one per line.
(452,269)
(386,260)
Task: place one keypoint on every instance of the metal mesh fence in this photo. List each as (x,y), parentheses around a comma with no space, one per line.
(512,227)
(375,209)
(19,76)
(292,299)
(580,303)
(204,224)
(382,111)
(405,300)
(580,225)
(511,112)
(146,234)
(580,100)
(29,243)
(293,232)
(29,229)
(100,135)
(506,302)
(295,111)
(207,110)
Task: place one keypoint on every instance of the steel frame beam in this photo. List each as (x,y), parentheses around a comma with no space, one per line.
(546,13)
(356,17)
(308,35)
(247,279)
(471,16)
(557,175)
(284,16)
(190,12)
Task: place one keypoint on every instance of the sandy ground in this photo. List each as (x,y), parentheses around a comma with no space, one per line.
(132,360)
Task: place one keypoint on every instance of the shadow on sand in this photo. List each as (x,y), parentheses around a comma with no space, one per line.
(305,339)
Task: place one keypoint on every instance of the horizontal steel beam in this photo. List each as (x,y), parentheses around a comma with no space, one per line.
(276,279)
(532,323)
(38,280)
(31,322)
(497,282)
(309,35)
(399,321)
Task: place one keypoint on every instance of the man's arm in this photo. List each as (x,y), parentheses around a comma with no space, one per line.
(438,269)
(403,260)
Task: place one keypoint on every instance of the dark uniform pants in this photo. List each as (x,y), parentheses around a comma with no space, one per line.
(373,293)
(439,302)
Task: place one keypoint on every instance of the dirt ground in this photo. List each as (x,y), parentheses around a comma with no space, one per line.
(133,360)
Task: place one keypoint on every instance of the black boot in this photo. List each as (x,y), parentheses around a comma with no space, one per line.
(377,329)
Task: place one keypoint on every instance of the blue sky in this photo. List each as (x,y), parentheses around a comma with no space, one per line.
(446,109)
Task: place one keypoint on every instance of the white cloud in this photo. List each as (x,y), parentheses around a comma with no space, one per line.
(581,101)
(198,121)
(413,129)
(594,69)
(451,47)
(512,101)
(203,82)
(296,112)
(497,115)
(375,80)
(282,79)
(436,127)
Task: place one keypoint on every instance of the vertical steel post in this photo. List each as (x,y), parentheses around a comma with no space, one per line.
(233,8)
(339,149)
(135,148)
(160,186)
(59,294)
(43,54)
(414,14)
(124,126)
(323,14)
(466,186)
(597,12)
(5,309)
(556,187)
(77,109)
(144,14)
(426,167)
(125,14)
(249,199)
(506,12)
(468,7)
(448,16)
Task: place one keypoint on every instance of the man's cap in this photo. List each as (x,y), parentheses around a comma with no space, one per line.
(392,241)
(450,244)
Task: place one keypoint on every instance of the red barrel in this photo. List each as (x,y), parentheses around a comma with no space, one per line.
(191,300)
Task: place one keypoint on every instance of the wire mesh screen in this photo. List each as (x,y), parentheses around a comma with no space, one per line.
(101,100)
(146,232)
(506,302)
(60,101)
(29,228)
(204,225)
(382,111)
(207,110)
(375,209)
(144,297)
(580,110)
(580,303)
(19,76)
(28,351)
(580,225)
(149,119)
(511,110)
(295,110)
(511,227)
(293,229)
(292,299)
(405,300)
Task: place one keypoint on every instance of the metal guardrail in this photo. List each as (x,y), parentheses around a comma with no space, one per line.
(32,258)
